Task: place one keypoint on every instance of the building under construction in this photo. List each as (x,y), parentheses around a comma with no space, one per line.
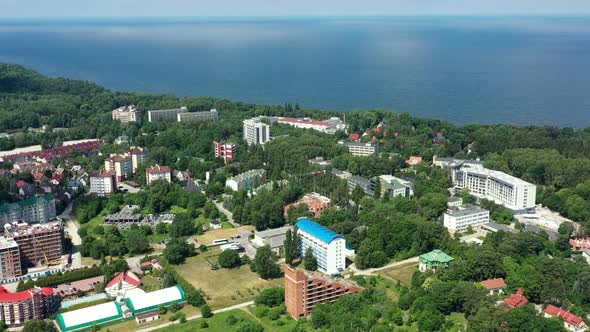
(38,244)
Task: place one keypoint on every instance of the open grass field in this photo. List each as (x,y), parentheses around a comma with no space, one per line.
(131,325)
(402,273)
(223,287)
(223,233)
(217,323)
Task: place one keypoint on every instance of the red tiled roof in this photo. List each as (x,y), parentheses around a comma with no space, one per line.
(354,136)
(20,183)
(516,300)
(494,283)
(158,169)
(128,277)
(566,315)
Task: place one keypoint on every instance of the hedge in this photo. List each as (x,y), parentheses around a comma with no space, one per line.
(193,296)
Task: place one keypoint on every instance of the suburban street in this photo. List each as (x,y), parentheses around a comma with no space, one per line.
(237,306)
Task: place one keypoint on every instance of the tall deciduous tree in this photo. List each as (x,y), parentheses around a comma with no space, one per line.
(265,263)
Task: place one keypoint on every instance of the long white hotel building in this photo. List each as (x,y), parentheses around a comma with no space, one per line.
(504,189)
(328,247)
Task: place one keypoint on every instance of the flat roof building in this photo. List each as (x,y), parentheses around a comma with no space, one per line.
(360,148)
(197,116)
(367,185)
(166,115)
(255,131)
(10,265)
(274,238)
(225,151)
(328,247)
(38,244)
(459,219)
(329,126)
(496,186)
(395,187)
(247,180)
(304,290)
(127,114)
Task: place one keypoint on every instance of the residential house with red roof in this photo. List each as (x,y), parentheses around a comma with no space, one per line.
(414,160)
(517,299)
(494,286)
(570,321)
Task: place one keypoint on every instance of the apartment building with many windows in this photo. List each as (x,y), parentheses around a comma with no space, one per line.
(166,115)
(127,114)
(255,131)
(197,116)
(304,290)
(37,209)
(460,218)
(360,148)
(102,183)
(37,243)
(10,266)
(328,247)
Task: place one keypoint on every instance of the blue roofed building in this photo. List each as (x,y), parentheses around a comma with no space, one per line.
(328,247)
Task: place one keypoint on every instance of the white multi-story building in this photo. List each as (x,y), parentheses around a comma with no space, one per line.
(197,116)
(360,148)
(329,126)
(396,187)
(102,183)
(459,219)
(247,180)
(157,173)
(504,189)
(37,209)
(127,114)
(256,131)
(328,247)
(166,115)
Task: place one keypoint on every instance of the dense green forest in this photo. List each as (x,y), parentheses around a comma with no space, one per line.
(381,229)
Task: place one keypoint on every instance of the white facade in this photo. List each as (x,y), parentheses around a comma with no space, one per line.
(396,186)
(328,248)
(197,116)
(459,219)
(166,115)
(102,184)
(151,177)
(329,126)
(256,131)
(127,114)
(499,187)
(361,149)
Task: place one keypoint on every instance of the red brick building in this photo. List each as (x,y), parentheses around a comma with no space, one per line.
(304,290)
(315,202)
(225,151)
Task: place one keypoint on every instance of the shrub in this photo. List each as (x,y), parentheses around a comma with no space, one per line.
(271,297)
(206,311)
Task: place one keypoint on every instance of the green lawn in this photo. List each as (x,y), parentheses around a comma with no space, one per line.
(283,324)
(402,273)
(149,283)
(458,320)
(223,287)
(217,323)
(131,325)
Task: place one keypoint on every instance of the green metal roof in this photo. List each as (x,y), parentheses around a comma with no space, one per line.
(436,256)
(5,207)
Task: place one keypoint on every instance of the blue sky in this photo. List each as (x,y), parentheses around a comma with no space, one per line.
(139,8)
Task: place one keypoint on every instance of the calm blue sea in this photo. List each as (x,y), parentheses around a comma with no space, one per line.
(522,70)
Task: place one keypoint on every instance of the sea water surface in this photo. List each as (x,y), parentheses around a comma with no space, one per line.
(521,70)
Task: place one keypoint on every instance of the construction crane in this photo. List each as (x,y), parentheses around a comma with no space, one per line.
(47,261)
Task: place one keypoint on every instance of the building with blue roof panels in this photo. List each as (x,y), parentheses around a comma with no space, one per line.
(328,247)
